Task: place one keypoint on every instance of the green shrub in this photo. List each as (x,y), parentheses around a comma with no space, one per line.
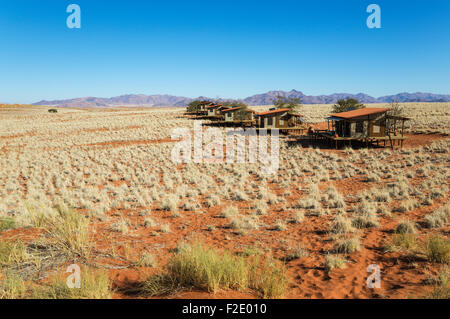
(287,102)
(437,249)
(193,106)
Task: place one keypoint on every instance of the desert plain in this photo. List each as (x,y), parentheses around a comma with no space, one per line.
(96,188)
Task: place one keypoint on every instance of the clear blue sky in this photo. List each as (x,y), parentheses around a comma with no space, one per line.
(223,48)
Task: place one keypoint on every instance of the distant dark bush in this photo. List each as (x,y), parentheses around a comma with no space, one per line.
(291,103)
(233,103)
(347,105)
(53,111)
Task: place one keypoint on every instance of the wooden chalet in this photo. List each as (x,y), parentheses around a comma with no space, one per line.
(283,119)
(215,111)
(235,115)
(202,106)
(368,125)
(238,114)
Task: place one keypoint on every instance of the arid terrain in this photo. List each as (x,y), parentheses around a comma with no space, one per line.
(97,188)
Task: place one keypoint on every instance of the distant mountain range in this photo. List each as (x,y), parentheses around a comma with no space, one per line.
(258,99)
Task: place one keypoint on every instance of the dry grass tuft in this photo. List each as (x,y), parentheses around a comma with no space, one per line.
(270,280)
(332,262)
(366,216)
(401,241)
(296,253)
(67,229)
(442,283)
(13,253)
(7,223)
(406,227)
(439,218)
(348,246)
(146,260)
(341,225)
(197,266)
(95,284)
(229,212)
(12,287)
(298,217)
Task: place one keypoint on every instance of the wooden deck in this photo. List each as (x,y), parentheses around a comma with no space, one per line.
(196,113)
(391,139)
(287,130)
(246,123)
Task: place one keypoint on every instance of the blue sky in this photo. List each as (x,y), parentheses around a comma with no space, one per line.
(221,48)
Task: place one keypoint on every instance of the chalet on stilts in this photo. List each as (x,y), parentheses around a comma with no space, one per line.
(239,115)
(283,119)
(202,107)
(215,111)
(366,125)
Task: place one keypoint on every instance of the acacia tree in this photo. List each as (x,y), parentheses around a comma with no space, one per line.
(292,103)
(343,105)
(193,106)
(395,110)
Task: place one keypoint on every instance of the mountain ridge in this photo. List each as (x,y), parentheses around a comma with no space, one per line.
(257,99)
